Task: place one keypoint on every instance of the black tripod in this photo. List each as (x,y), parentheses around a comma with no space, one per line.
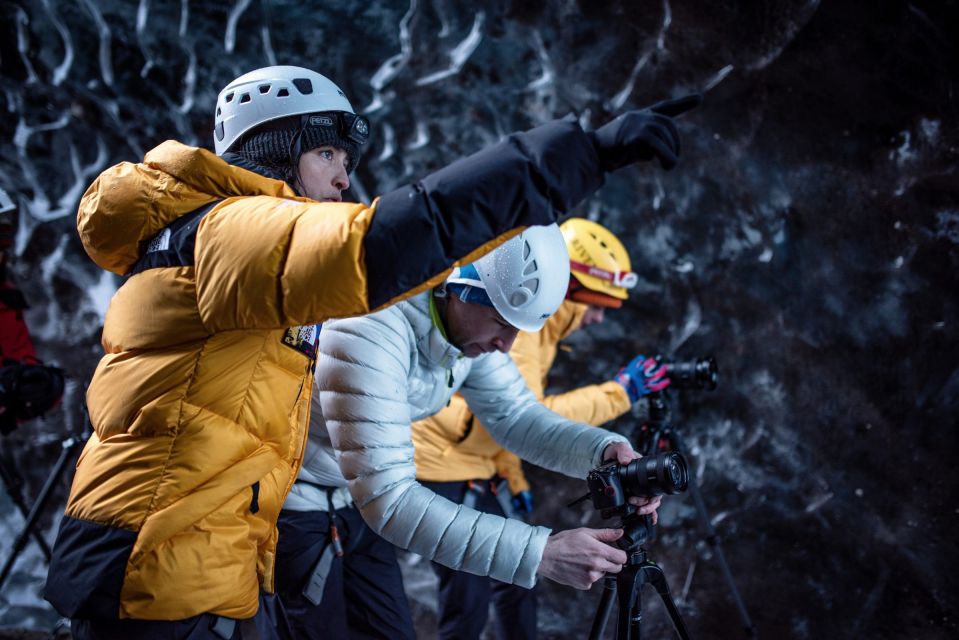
(628,584)
(658,435)
(12,481)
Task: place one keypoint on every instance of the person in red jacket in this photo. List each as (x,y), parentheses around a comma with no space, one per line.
(27,388)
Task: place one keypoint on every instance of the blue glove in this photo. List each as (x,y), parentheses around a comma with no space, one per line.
(523,502)
(642,377)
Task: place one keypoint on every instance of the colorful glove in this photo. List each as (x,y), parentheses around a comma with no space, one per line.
(523,501)
(643,134)
(642,377)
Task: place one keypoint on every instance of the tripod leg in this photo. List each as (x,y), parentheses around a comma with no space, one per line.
(68,446)
(655,576)
(630,592)
(712,538)
(14,486)
(605,606)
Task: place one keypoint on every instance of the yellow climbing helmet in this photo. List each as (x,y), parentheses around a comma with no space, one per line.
(598,262)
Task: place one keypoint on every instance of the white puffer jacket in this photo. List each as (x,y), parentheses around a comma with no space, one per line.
(377,374)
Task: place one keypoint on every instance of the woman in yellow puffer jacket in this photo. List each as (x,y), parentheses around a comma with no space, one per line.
(456,456)
(200,404)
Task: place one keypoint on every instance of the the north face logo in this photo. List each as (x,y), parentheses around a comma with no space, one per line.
(160,242)
(304,339)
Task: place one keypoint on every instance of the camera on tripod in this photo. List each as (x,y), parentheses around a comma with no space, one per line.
(612,484)
(610,488)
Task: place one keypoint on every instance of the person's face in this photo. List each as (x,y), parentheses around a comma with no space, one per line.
(322,174)
(477,329)
(593,315)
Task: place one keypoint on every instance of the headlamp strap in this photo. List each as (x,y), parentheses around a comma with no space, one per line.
(624,279)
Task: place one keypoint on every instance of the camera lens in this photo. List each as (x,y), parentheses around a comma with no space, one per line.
(655,475)
(698,374)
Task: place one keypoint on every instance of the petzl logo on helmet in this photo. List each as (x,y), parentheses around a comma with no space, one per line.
(321,121)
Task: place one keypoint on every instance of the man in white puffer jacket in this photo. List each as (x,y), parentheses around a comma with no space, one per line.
(379,373)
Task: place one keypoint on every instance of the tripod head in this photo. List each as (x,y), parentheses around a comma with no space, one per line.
(637,531)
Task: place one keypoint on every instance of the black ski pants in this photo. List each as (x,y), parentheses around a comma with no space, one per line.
(363,596)
(464,598)
(269,623)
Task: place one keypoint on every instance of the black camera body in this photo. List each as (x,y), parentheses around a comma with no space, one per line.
(605,487)
(612,484)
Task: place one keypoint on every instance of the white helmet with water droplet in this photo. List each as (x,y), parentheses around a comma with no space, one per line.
(268,94)
(525,278)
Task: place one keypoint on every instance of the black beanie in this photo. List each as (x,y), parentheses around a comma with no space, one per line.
(269,145)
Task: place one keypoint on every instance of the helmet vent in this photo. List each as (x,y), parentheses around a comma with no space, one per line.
(518,298)
(303,85)
(283,93)
(228,97)
(532,284)
(264,88)
(526,250)
(218,112)
(530,268)
(245,98)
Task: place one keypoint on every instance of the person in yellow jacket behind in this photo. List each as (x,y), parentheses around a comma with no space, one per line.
(457,458)
(200,404)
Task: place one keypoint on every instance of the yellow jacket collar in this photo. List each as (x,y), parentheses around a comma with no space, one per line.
(565,321)
(128,204)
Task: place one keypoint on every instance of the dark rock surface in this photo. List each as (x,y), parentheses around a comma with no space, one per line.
(809,240)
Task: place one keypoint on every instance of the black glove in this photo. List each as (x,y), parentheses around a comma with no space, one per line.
(27,391)
(643,134)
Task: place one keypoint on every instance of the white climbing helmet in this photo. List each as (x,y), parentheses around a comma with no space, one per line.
(271,93)
(526,277)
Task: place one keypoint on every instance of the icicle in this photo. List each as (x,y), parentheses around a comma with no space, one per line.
(23,44)
(389,143)
(691,324)
(267,45)
(184,17)
(616,103)
(103,30)
(460,54)
(143,13)
(422,137)
(60,73)
(546,77)
(229,40)
(189,83)
(719,77)
(393,65)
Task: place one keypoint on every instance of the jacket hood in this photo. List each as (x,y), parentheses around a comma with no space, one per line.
(128,204)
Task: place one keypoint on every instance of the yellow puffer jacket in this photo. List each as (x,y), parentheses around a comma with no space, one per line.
(200,405)
(452,445)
